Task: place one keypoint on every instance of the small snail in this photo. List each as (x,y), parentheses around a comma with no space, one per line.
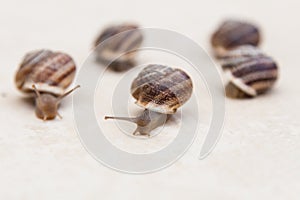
(250,73)
(161,90)
(122,44)
(47,74)
(233,33)
(238,55)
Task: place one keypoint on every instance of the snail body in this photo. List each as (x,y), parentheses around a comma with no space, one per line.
(124,43)
(234,33)
(46,74)
(250,74)
(161,90)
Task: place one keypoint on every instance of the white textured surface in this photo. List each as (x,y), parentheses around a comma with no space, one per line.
(256,158)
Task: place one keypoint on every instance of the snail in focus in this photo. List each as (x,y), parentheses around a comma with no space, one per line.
(161,90)
(234,33)
(46,74)
(251,73)
(130,40)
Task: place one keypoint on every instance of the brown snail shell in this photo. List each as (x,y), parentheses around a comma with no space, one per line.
(252,77)
(47,74)
(122,44)
(239,55)
(161,90)
(234,33)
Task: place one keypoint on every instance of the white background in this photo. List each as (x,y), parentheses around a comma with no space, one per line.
(256,158)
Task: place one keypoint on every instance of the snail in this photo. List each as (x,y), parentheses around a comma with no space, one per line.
(161,90)
(46,74)
(239,55)
(250,74)
(234,33)
(124,43)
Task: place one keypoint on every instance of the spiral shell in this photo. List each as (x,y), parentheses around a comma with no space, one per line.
(51,72)
(124,43)
(161,88)
(233,33)
(252,77)
(239,55)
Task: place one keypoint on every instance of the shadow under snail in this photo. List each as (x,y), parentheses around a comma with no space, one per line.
(46,74)
(161,90)
(251,72)
(123,43)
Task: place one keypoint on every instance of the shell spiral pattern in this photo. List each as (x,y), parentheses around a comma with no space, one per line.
(252,76)
(233,33)
(124,43)
(161,88)
(239,55)
(51,72)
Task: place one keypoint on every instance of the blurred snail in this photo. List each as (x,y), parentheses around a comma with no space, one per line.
(233,33)
(130,40)
(161,90)
(47,74)
(251,73)
(239,55)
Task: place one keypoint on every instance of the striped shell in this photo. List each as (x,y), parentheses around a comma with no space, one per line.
(51,72)
(232,33)
(252,77)
(126,42)
(239,55)
(161,89)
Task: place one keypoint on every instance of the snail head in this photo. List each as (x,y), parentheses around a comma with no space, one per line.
(47,104)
